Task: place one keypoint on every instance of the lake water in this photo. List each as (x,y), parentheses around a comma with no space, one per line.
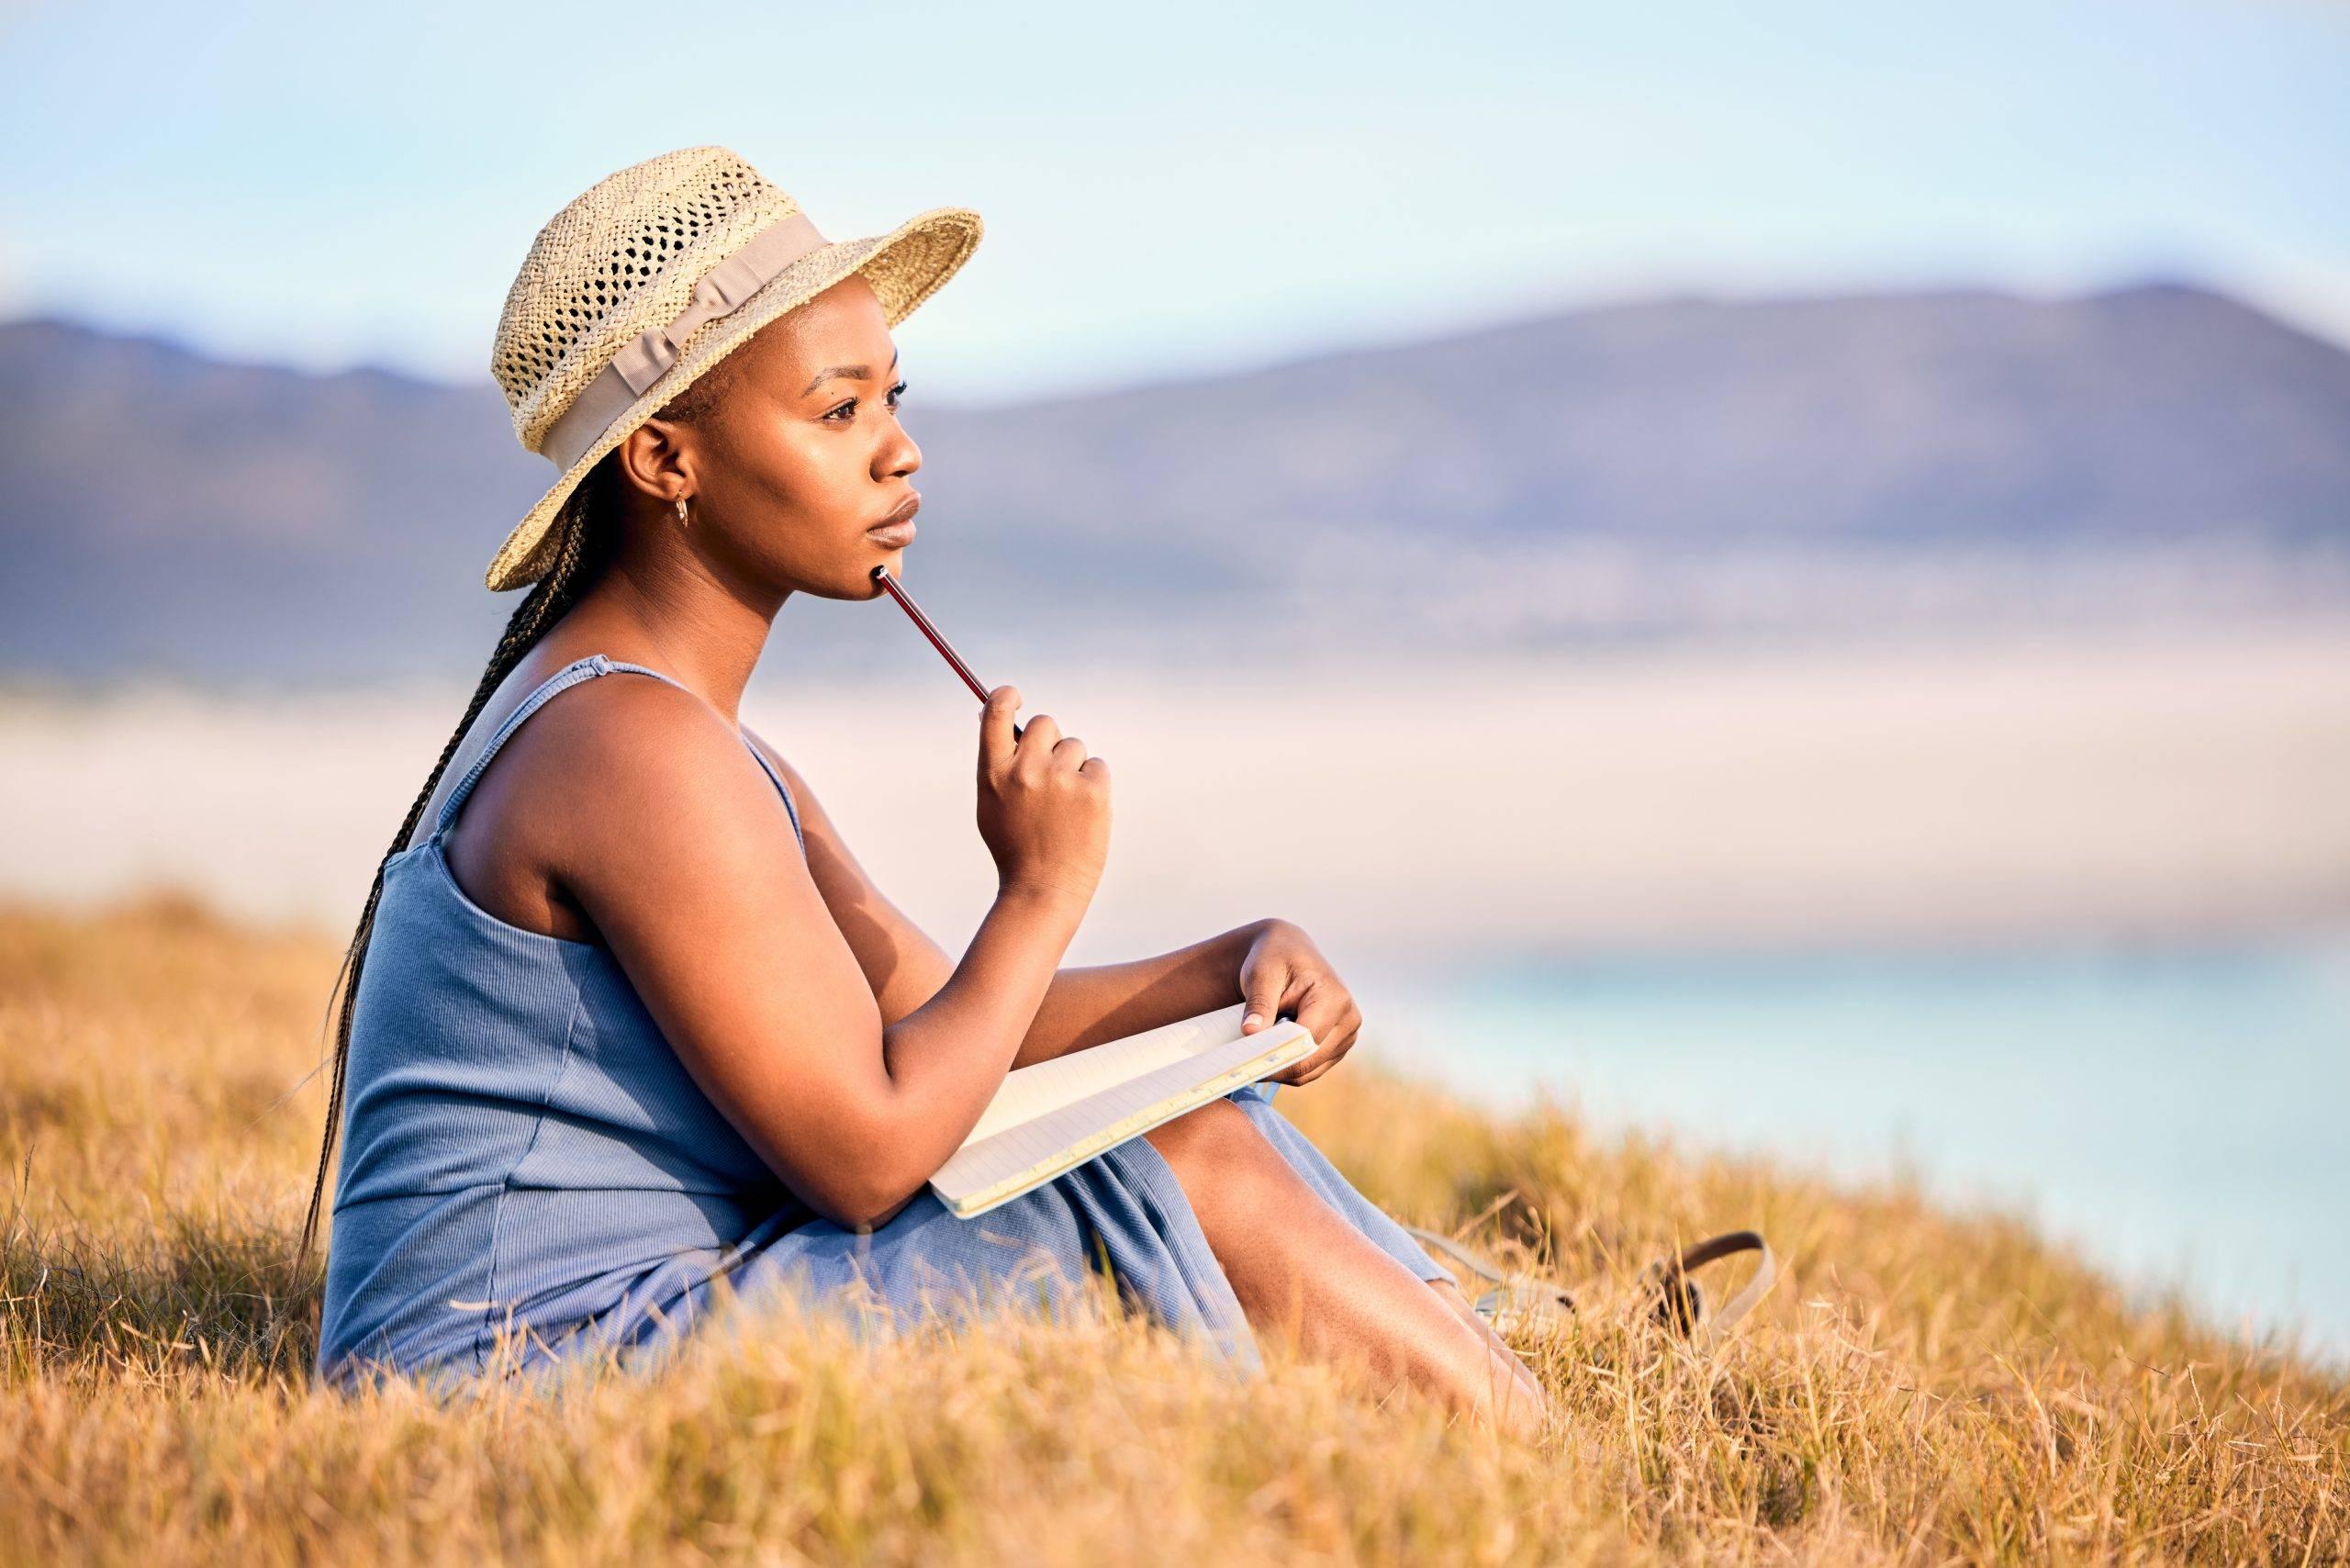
(2182,1114)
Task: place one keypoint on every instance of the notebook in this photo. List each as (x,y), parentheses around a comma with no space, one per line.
(1053,1116)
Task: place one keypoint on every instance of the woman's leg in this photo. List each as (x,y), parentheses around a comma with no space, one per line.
(1301,1271)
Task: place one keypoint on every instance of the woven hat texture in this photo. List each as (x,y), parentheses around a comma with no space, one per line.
(623,258)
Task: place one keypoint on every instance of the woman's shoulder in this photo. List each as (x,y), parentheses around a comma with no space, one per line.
(630,742)
(604,794)
(604,739)
(618,735)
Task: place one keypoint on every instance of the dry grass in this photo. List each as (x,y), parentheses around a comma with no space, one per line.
(1922,1386)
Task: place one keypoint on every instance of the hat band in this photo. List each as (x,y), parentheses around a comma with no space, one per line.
(644,359)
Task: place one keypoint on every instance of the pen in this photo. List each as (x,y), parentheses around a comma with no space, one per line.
(883,575)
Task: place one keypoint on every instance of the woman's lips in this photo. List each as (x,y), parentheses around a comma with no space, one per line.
(896,530)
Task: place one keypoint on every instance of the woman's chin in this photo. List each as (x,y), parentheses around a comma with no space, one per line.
(852,578)
(856,583)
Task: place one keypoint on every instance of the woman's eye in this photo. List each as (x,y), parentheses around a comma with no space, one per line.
(847,412)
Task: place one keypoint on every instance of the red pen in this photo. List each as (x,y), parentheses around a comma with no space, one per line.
(881,574)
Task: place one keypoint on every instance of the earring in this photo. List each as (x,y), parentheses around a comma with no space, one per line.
(684,520)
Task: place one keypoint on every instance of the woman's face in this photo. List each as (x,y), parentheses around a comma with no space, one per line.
(800,458)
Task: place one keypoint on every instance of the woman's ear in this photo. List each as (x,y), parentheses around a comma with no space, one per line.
(653,462)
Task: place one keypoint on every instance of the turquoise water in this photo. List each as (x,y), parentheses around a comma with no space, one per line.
(2181,1114)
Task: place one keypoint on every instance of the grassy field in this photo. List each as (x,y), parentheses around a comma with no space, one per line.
(1922,1385)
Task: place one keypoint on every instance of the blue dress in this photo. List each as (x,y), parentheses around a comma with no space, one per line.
(523,1152)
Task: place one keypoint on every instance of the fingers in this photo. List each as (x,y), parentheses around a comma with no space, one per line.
(1043,749)
(996,740)
(1034,749)
(1034,758)
(1267,984)
(1330,1016)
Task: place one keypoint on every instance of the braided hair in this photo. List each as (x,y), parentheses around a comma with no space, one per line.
(588,528)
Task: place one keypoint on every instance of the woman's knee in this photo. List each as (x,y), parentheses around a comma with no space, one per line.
(1216,1125)
(1224,1162)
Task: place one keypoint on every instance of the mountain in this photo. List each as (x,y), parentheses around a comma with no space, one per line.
(1681,467)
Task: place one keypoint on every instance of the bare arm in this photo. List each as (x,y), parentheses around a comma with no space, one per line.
(1095,1002)
(1083,1005)
(684,859)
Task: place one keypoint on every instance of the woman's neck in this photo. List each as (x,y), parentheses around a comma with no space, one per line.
(676,616)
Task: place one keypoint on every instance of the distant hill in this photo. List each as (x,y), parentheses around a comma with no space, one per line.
(1677,468)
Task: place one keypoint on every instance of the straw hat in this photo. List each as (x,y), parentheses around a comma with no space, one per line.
(650,277)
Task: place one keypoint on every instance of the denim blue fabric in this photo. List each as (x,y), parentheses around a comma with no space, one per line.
(522,1151)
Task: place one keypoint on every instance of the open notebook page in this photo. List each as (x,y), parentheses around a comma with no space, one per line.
(986,1171)
(1045,1087)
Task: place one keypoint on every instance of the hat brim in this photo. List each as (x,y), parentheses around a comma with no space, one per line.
(905,266)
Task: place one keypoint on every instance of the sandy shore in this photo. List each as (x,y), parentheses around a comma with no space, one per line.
(1996,792)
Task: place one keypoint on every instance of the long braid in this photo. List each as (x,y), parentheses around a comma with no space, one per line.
(588,528)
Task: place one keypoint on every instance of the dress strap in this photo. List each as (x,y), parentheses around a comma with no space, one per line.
(571,674)
(568,676)
(790,807)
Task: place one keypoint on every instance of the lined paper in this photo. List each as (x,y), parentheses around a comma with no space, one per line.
(1060,1120)
(1045,1087)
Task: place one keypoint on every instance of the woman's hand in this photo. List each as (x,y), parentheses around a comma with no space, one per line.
(1284,975)
(1044,805)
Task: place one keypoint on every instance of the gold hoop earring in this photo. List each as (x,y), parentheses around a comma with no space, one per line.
(684,520)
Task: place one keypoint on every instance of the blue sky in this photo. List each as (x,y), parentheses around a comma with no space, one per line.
(1172,189)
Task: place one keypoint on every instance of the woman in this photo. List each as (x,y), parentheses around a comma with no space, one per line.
(625,1017)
